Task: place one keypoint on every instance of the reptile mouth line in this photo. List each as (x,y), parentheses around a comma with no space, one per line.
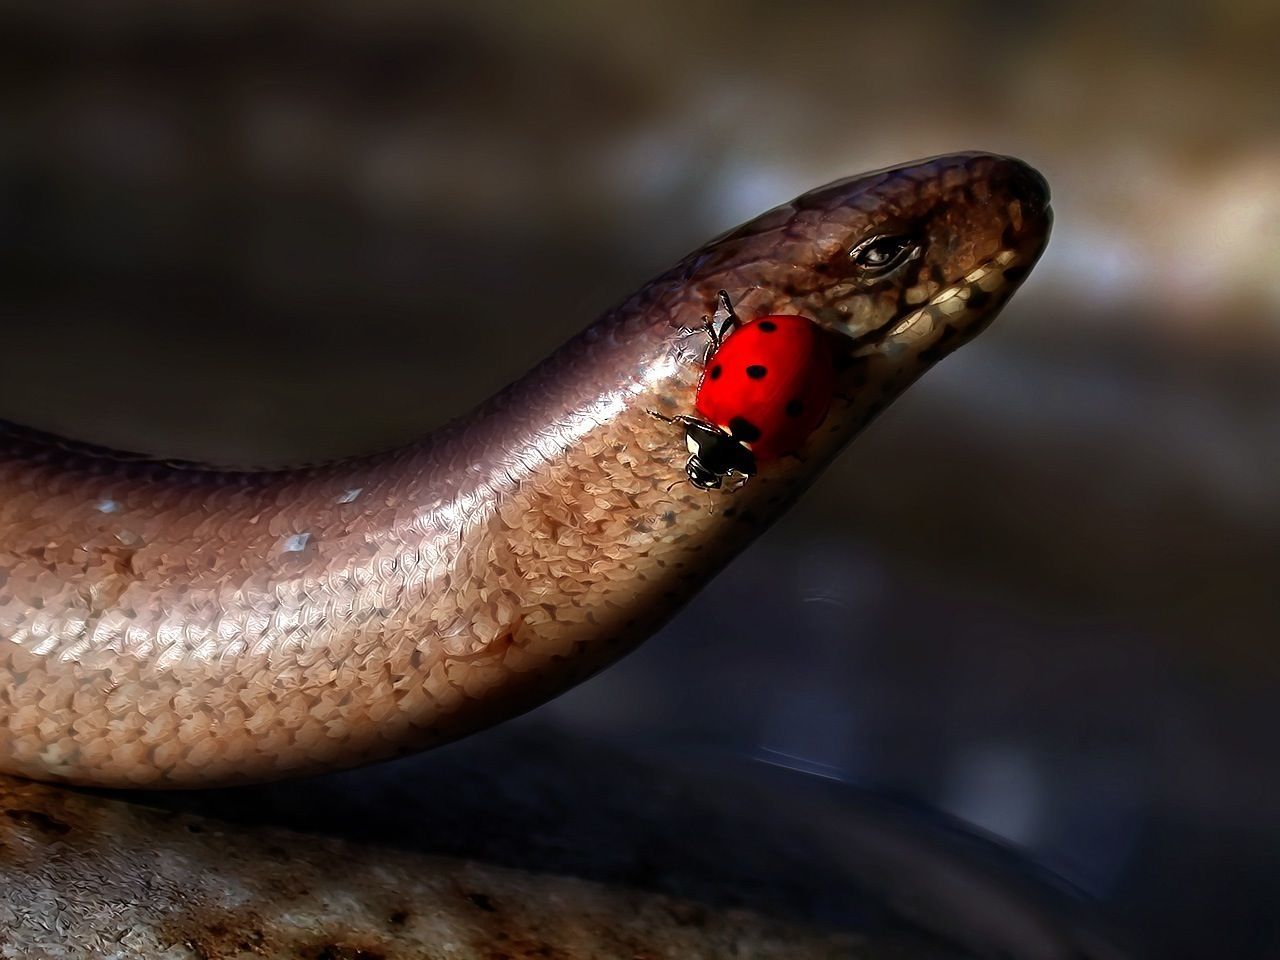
(867,343)
(961,293)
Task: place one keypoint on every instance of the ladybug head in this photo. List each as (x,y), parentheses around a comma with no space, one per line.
(714,454)
(908,262)
(702,476)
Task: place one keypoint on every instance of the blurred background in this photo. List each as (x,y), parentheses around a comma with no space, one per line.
(1035,603)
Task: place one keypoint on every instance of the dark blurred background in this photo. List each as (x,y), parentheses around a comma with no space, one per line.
(1038,597)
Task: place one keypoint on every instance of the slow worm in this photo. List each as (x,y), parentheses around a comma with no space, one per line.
(168,624)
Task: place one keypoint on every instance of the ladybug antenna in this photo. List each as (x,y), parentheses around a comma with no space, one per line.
(675,483)
(711,503)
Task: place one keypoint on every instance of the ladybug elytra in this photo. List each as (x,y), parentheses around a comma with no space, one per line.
(766,385)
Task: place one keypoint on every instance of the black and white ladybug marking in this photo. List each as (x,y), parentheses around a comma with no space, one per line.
(713,453)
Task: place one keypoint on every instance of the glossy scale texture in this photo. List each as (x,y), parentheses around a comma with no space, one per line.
(173,625)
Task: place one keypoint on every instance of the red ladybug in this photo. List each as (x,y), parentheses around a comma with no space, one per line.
(766,386)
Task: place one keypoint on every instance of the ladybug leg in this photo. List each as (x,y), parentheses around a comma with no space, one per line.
(682,419)
(720,324)
(725,320)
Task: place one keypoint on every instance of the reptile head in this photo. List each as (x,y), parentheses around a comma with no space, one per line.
(901,266)
(908,262)
(919,258)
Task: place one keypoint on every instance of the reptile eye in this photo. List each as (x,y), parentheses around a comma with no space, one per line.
(880,255)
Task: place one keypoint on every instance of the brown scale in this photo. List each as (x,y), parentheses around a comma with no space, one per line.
(170,625)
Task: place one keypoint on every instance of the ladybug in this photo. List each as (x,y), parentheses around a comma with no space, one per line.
(766,385)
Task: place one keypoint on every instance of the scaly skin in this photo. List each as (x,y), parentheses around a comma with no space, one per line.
(172,625)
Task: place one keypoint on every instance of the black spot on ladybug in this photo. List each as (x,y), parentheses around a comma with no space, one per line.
(744,430)
(716,371)
(767,326)
(756,372)
(795,407)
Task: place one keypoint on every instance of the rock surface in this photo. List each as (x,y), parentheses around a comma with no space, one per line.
(522,843)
